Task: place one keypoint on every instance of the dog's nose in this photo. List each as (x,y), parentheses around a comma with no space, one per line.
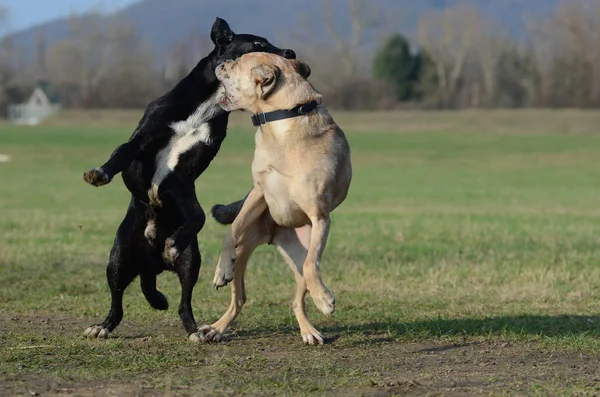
(289,54)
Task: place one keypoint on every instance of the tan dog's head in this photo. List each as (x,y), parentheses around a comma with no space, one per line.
(261,82)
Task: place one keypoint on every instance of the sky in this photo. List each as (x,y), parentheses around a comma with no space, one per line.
(26,13)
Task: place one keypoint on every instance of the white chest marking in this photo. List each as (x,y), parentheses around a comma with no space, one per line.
(187,133)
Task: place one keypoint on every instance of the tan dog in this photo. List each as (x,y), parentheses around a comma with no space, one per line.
(301,171)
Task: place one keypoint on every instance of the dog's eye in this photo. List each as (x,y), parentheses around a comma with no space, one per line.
(258,44)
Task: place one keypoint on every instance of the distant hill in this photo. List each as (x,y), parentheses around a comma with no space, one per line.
(163,23)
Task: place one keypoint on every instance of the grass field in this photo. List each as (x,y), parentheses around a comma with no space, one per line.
(465,261)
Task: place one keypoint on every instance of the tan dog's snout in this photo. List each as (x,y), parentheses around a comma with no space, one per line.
(223,68)
(257,77)
(223,74)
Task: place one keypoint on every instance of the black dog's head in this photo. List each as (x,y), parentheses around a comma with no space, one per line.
(229,45)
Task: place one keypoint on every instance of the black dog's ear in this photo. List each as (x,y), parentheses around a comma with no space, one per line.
(220,33)
(265,77)
(302,68)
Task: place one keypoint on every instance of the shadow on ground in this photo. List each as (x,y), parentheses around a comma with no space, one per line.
(522,325)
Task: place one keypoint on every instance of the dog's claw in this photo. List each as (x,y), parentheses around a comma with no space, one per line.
(325,302)
(223,274)
(96,332)
(221,279)
(197,337)
(311,336)
(210,334)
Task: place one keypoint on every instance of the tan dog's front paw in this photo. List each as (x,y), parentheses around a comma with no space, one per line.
(310,336)
(96,177)
(223,273)
(325,302)
(210,334)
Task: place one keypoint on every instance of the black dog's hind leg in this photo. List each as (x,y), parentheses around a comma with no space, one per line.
(188,269)
(119,275)
(120,272)
(155,298)
(129,255)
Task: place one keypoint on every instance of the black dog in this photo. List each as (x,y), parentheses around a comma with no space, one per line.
(177,138)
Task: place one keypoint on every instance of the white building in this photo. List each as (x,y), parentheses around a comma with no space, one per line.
(35,109)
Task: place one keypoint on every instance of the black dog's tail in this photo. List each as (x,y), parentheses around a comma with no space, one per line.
(155,298)
(226,214)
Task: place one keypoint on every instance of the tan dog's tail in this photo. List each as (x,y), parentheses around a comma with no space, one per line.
(225,214)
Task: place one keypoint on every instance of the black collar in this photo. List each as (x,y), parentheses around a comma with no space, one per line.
(259,119)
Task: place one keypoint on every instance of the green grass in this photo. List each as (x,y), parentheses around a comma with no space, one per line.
(463,261)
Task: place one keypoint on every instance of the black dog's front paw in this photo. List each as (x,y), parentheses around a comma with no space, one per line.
(96,177)
(171,253)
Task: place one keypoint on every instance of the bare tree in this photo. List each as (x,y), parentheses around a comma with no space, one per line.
(177,64)
(428,35)
(336,49)
(488,47)
(6,68)
(199,45)
(15,79)
(41,53)
(184,56)
(449,36)
(132,80)
(81,61)
(566,46)
(102,63)
(348,47)
(3,20)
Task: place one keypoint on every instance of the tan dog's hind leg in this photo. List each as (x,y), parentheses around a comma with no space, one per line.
(321,296)
(215,331)
(293,244)
(254,206)
(256,234)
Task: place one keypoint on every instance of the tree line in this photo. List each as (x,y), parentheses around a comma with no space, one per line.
(457,58)
(460,59)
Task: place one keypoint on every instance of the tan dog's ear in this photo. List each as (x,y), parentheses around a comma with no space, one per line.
(265,77)
(302,68)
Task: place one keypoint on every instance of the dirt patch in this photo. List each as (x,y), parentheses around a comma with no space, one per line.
(390,369)
(36,388)
(249,363)
(474,368)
